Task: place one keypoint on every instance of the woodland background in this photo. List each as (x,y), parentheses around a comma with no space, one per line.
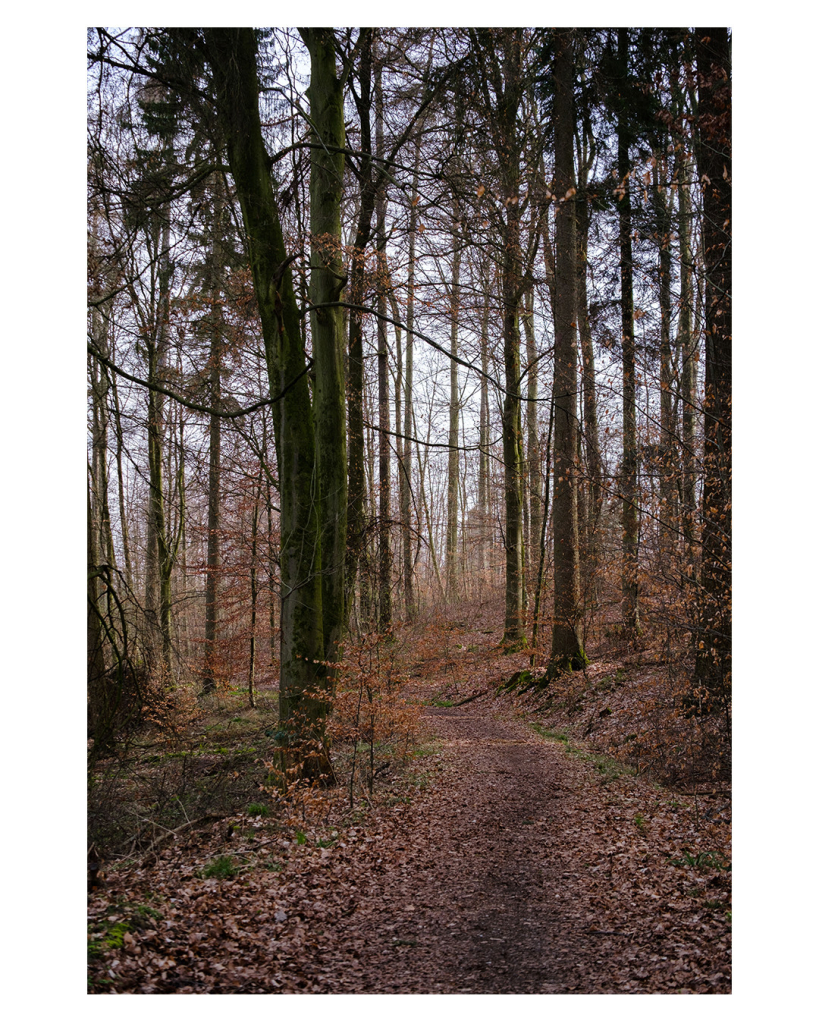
(760,619)
(488,185)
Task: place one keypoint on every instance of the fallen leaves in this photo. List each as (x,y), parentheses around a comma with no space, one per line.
(500,860)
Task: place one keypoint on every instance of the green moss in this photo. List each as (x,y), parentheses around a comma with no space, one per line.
(522,680)
(222,867)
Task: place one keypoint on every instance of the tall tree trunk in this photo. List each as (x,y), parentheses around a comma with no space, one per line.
(667,456)
(591,434)
(96,700)
(483,465)
(183,627)
(326,282)
(628,485)
(399,395)
(425,506)
(452,560)
(303,697)
(254,591)
(271,559)
(405,493)
(159,555)
(687,347)
(356,525)
(534,472)
(216,327)
(508,149)
(100,386)
(713,669)
(123,511)
(567,650)
(384,515)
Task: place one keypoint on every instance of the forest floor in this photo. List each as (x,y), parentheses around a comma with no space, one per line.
(501,849)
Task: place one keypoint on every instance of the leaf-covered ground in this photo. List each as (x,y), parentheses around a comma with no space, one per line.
(505,851)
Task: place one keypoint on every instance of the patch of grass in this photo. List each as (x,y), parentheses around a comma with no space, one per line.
(640,822)
(608,768)
(222,867)
(418,780)
(258,810)
(109,933)
(707,859)
(424,750)
(549,734)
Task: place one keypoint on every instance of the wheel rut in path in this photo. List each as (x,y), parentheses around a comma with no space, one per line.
(471,895)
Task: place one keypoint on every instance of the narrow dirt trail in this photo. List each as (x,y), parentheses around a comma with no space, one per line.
(495,884)
(477,907)
(511,867)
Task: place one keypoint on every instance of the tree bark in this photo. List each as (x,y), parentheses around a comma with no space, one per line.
(504,71)
(667,461)
(591,432)
(713,669)
(567,650)
(405,493)
(327,279)
(483,465)
(453,481)
(216,326)
(384,515)
(303,697)
(534,473)
(159,556)
(355,374)
(687,347)
(628,484)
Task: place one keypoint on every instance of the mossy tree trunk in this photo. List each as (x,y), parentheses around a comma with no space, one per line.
(327,279)
(303,699)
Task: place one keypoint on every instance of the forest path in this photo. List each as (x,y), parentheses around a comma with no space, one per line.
(475,894)
(498,862)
